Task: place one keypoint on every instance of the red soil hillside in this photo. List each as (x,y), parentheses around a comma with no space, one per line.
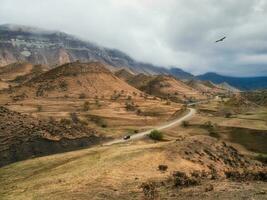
(73,79)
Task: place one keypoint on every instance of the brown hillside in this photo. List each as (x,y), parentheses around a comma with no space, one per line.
(164,86)
(124,74)
(140,81)
(23,137)
(3,85)
(21,72)
(167,86)
(76,79)
(206,87)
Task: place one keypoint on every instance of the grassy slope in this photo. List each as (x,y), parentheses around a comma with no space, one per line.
(85,174)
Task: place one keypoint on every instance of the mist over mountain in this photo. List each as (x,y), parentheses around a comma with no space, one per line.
(52,48)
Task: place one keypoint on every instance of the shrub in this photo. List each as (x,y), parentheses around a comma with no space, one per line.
(156,135)
(228,115)
(262,158)
(97,102)
(39,108)
(168,103)
(115,96)
(98,120)
(130,106)
(86,106)
(82,96)
(212,129)
(183,180)
(185,123)
(51,120)
(74,118)
(63,86)
(139,112)
(65,121)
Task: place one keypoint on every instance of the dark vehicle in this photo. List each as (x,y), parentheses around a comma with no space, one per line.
(126,137)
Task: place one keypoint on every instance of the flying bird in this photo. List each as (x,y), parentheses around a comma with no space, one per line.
(220,40)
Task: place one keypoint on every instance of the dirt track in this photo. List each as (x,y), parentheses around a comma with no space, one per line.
(137,136)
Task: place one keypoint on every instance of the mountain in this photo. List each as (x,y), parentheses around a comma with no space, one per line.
(52,48)
(169,87)
(207,87)
(180,74)
(242,83)
(228,87)
(75,79)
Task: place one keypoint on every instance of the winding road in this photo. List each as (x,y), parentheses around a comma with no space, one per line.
(141,135)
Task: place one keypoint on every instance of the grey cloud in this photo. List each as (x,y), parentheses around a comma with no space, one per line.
(163,32)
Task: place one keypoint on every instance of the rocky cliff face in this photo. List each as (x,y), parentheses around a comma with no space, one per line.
(21,43)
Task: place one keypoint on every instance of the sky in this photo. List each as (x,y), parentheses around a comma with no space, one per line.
(180,33)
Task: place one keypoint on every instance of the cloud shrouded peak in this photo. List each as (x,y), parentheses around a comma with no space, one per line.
(162,32)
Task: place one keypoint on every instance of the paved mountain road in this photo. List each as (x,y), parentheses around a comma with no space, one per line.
(141,135)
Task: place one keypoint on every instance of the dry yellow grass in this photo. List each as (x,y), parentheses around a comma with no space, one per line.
(89,173)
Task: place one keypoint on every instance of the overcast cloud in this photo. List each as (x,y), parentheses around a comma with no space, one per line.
(163,32)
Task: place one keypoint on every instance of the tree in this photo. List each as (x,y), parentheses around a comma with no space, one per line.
(156,135)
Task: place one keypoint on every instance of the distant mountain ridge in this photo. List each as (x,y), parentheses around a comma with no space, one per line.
(52,48)
(242,83)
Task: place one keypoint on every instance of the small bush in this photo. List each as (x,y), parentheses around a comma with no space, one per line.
(182,180)
(262,158)
(130,106)
(86,106)
(65,121)
(156,135)
(185,124)
(228,115)
(82,96)
(74,118)
(39,108)
(139,112)
(168,103)
(51,120)
(63,86)
(97,102)
(98,120)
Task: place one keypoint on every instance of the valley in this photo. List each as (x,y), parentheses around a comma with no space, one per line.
(68,137)
(80,121)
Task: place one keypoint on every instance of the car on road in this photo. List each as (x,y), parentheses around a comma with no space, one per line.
(126,137)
